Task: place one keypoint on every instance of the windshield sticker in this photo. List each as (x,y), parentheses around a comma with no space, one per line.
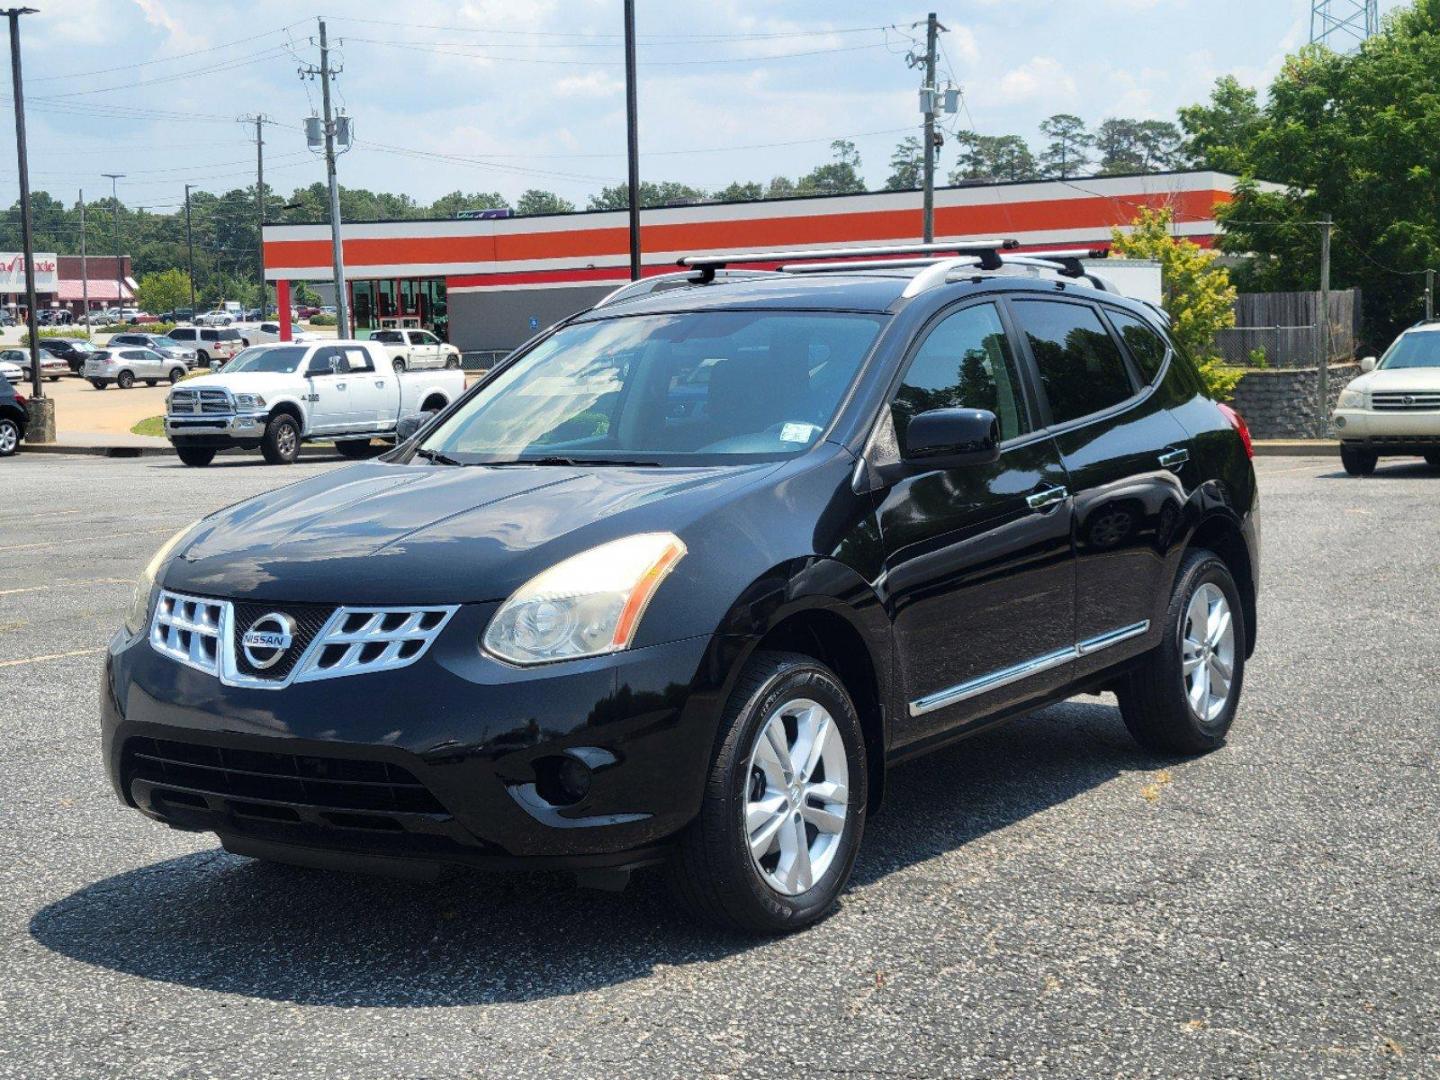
(798,433)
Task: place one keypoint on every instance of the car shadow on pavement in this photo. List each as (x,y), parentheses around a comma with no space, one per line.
(214,921)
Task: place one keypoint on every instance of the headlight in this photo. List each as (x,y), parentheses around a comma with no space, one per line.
(137,615)
(249,401)
(588,605)
(1351,399)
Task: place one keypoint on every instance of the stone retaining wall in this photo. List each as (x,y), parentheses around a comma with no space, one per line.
(1279,403)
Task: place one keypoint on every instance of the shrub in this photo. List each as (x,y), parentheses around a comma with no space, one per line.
(322,320)
(1258,359)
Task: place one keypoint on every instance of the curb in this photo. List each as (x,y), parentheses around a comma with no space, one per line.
(98,451)
(1297,448)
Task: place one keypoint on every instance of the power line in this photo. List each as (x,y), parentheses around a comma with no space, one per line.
(268,54)
(610,39)
(165,59)
(441,49)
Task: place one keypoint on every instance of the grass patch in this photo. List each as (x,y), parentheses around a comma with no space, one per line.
(151,425)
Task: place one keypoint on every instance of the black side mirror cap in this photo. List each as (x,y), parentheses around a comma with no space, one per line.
(409,426)
(948,438)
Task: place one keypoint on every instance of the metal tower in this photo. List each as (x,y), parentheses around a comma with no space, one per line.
(1343,24)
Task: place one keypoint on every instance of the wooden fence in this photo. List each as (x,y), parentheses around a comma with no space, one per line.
(1287,327)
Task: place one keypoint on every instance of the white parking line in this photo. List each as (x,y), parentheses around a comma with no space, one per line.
(67,585)
(51,656)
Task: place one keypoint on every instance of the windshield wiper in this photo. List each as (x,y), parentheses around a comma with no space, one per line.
(435,457)
(556,460)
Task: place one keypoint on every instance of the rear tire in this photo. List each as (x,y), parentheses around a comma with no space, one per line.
(771,851)
(196,456)
(99,384)
(452,362)
(1358,462)
(10,436)
(176,374)
(399,365)
(281,445)
(152,382)
(1178,699)
(125,380)
(202,359)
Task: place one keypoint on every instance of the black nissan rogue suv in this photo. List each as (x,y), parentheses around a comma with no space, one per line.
(686,575)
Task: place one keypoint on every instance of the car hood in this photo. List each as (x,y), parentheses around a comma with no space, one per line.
(1416,378)
(424,534)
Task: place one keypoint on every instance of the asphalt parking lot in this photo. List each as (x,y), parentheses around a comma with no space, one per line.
(1041,900)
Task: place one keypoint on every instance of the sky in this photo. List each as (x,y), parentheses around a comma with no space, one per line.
(505,95)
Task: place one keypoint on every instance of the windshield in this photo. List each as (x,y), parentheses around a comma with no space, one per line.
(281,361)
(692,388)
(1417,349)
(165,343)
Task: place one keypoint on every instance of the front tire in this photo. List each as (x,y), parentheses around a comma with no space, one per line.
(1358,462)
(125,380)
(399,365)
(176,374)
(356,449)
(1181,697)
(9,437)
(784,803)
(99,384)
(196,456)
(281,445)
(151,382)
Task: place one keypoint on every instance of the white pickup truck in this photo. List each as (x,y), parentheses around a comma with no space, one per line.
(416,350)
(275,397)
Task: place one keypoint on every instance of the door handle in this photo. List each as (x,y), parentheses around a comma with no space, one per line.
(1173,459)
(380,383)
(339,386)
(1047,497)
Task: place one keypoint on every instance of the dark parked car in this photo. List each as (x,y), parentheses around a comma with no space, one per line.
(602,613)
(74,351)
(13,417)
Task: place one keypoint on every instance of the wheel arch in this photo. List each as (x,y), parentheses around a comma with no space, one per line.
(289,408)
(1221,533)
(435,399)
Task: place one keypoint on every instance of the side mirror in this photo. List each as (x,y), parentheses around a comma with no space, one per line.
(1367,363)
(946,438)
(408,426)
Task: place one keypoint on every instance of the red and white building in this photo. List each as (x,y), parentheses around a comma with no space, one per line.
(59,282)
(490,283)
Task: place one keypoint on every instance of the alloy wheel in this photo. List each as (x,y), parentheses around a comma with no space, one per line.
(1207,652)
(796,797)
(285,439)
(9,437)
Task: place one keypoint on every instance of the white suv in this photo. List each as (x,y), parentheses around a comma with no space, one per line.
(212,345)
(1394,407)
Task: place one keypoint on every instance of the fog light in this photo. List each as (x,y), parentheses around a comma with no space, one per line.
(562,780)
(1339,421)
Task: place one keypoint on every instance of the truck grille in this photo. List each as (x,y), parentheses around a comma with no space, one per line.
(329,783)
(190,402)
(326,642)
(1405,401)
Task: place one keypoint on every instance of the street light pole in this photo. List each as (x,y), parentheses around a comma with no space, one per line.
(632,139)
(114,178)
(342,309)
(190,253)
(27,239)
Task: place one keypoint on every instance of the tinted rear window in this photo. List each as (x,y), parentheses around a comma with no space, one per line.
(1145,345)
(1080,365)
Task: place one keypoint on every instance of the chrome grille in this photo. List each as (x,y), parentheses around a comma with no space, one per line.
(361,640)
(1405,401)
(205,634)
(189,629)
(185,401)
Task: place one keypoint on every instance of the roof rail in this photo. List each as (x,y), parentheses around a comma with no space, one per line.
(633,290)
(988,251)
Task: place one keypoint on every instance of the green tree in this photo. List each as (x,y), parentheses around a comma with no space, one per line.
(163,290)
(1220,133)
(993,157)
(739,191)
(664,193)
(1352,136)
(447,206)
(535,201)
(1065,156)
(1197,291)
(839,176)
(907,165)
(1160,145)
(1117,140)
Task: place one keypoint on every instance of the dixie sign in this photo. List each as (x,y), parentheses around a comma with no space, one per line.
(12,272)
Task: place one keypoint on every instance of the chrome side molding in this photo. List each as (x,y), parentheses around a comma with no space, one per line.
(1005,676)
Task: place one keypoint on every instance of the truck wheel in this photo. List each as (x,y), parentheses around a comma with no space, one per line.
(452,362)
(151,382)
(281,445)
(784,804)
(176,374)
(1358,462)
(125,380)
(197,456)
(1181,697)
(399,365)
(99,384)
(356,449)
(202,359)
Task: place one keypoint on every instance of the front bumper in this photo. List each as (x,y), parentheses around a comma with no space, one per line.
(1399,431)
(239,429)
(472,734)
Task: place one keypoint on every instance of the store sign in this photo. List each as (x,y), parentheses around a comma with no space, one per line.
(12,272)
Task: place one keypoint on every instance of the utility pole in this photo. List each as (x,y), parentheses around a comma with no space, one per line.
(932,36)
(259,121)
(632,139)
(114,178)
(342,312)
(27,238)
(1429,294)
(1326,227)
(84,269)
(190,253)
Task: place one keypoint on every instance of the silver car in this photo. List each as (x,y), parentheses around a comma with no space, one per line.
(124,366)
(166,346)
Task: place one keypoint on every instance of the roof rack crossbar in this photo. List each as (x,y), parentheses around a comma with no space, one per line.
(985,249)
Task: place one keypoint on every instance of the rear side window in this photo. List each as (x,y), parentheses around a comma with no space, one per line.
(358,358)
(964,362)
(182,334)
(1145,345)
(228,335)
(1080,365)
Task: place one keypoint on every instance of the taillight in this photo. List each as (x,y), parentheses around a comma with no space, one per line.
(21,399)
(1238,423)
